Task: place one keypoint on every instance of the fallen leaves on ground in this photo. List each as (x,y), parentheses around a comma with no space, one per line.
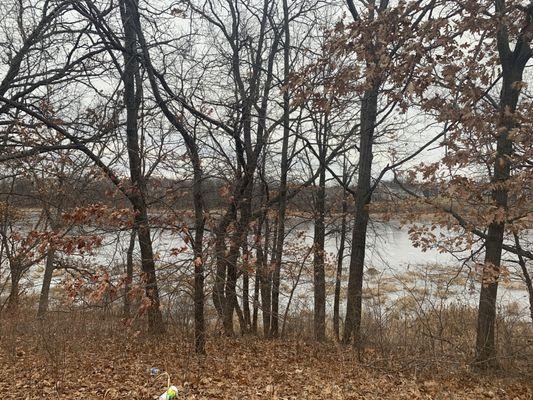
(87,367)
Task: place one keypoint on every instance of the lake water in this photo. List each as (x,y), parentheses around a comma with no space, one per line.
(391,261)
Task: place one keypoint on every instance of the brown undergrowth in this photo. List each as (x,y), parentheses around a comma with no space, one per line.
(83,356)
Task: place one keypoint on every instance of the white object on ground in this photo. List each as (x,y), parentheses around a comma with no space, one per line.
(170,394)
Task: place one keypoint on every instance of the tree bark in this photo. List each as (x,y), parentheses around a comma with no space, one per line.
(280,234)
(527,276)
(230,303)
(246,288)
(221,265)
(255,309)
(269,276)
(340,257)
(132,101)
(362,199)
(265,278)
(129,274)
(319,277)
(13,299)
(513,63)
(486,355)
(47,281)
(199,226)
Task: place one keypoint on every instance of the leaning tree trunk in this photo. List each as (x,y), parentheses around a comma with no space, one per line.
(362,199)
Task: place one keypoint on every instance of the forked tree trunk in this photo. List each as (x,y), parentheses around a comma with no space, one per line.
(132,101)
(198,196)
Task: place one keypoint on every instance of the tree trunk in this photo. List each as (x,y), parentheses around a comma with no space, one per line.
(527,276)
(529,285)
(13,299)
(255,312)
(362,199)
(198,196)
(132,101)
(238,242)
(318,249)
(230,289)
(129,274)
(486,355)
(220,273)
(280,234)
(260,266)
(276,274)
(340,257)
(246,288)
(155,318)
(47,281)
(291,294)
(265,284)
(199,226)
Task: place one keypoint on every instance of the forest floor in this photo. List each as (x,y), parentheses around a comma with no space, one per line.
(60,364)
